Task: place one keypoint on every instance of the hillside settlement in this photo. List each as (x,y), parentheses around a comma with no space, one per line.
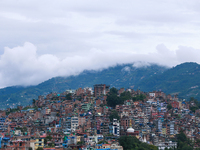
(84,119)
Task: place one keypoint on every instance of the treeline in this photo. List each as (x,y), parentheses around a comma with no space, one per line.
(113,99)
(196,104)
(132,143)
(183,143)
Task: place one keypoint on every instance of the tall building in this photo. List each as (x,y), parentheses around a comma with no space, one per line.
(159,125)
(74,123)
(100,89)
(116,127)
(172,128)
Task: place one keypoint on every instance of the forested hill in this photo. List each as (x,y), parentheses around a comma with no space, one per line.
(182,79)
(118,76)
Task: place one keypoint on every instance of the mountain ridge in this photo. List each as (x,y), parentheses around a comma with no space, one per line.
(181,79)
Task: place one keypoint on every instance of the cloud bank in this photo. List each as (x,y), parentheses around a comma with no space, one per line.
(22,65)
(65,37)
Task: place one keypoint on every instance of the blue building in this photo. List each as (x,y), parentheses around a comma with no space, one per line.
(2,122)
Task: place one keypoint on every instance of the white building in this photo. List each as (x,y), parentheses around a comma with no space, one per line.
(74,123)
(163,145)
(116,127)
(172,128)
(152,94)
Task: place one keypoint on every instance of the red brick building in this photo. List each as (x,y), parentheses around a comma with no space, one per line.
(175,104)
(100,89)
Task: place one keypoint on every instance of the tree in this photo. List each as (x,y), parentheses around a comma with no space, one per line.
(193,108)
(39,148)
(69,96)
(186,147)
(113,91)
(113,100)
(125,96)
(80,143)
(192,99)
(183,142)
(198,142)
(169,106)
(33,102)
(181,136)
(139,97)
(114,114)
(46,139)
(128,142)
(51,144)
(101,105)
(131,142)
(75,105)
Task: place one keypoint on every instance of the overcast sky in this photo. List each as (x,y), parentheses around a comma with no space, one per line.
(43,39)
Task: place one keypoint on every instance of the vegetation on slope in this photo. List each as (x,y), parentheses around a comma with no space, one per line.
(118,76)
(183,80)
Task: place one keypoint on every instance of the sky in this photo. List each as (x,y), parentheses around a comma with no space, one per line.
(44,39)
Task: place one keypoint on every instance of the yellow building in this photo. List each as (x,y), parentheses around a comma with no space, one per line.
(106,145)
(180,104)
(78,139)
(39,142)
(164,131)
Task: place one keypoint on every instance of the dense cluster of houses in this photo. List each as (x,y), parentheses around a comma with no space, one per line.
(79,119)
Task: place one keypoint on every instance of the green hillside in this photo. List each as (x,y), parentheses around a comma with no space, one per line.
(118,76)
(182,79)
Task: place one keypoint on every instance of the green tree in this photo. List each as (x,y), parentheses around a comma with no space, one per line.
(113,91)
(75,105)
(51,144)
(33,102)
(39,148)
(46,139)
(169,106)
(181,136)
(152,147)
(192,99)
(140,97)
(101,105)
(198,142)
(80,143)
(195,101)
(113,100)
(114,114)
(193,108)
(68,96)
(131,142)
(186,147)
(183,142)
(125,96)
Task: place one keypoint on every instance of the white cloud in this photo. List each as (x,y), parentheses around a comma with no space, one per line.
(70,36)
(23,65)
(15,16)
(139,64)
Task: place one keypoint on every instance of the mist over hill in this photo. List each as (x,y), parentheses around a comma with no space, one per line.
(182,79)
